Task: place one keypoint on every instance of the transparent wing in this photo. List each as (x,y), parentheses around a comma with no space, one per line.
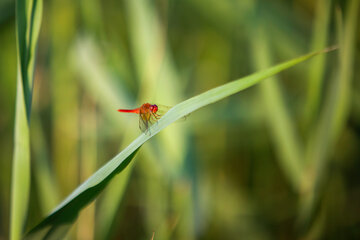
(162,109)
(146,120)
(143,123)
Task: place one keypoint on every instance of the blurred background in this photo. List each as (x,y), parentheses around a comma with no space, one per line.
(277,161)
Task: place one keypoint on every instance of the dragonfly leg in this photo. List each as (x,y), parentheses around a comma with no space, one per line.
(156,116)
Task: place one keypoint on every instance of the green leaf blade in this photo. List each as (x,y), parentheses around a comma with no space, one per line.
(21,167)
(26,40)
(67,211)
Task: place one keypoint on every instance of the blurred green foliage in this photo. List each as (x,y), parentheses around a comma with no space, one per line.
(278,161)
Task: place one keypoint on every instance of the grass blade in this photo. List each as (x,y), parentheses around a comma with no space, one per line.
(316,70)
(21,167)
(28,20)
(66,212)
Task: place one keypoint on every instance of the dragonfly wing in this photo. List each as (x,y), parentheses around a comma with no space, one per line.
(143,123)
(162,110)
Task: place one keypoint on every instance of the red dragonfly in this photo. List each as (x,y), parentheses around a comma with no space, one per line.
(148,114)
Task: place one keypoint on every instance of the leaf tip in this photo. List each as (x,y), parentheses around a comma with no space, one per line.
(330,49)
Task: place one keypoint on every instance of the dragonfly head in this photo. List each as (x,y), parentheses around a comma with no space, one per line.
(154,108)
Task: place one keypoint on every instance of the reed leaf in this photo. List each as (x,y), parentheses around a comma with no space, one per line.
(28,20)
(57,223)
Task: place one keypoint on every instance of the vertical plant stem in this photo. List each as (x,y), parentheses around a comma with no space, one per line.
(317,66)
(21,167)
(28,19)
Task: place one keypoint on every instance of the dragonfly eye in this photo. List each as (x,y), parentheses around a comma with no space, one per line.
(154,108)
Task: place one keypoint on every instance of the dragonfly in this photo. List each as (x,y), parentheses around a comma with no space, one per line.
(148,114)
